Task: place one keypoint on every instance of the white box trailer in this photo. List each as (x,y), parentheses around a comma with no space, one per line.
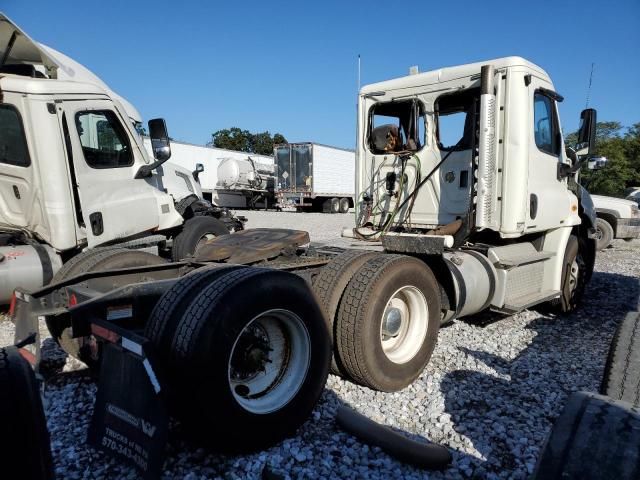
(188,155)
(314,176)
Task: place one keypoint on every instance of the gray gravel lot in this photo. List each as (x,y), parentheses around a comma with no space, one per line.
(490,393)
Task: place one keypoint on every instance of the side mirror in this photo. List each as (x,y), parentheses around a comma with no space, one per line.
(596,163)
(159,139)
(159,144)
(196,173)
(586,132)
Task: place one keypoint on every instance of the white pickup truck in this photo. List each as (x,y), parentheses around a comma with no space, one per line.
(617,218)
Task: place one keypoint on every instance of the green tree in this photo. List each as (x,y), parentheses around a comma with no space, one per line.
(233,138)
(623,154)
(244,141)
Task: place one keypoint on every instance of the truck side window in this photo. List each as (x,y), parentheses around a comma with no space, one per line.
(13,145)
(396,126)
(104,141)
(455,118)
(545,124)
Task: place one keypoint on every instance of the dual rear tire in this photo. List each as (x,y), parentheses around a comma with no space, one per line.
(249,371)
(385,324)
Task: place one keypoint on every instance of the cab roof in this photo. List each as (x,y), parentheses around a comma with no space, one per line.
(452,73)
(44,86)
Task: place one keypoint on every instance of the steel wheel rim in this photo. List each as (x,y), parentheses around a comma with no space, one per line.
(598,234)
(414,311)
(269,361)
(574,275)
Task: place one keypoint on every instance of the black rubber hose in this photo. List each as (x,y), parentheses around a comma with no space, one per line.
(418,454)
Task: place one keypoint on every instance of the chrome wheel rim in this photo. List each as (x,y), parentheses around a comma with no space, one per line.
(269,361)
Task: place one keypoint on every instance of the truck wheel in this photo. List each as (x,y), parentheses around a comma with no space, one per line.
(604,234)
(595,437)
(172,304)
(329,286)
(344,205)
(574,278)
(621,379)
(195,232)
(388,322)
(24,441)
(252,351)
(86,349)
(334,205)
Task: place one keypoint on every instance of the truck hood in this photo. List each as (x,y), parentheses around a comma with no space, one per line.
(177,181)
(56,65)
(601,201)
(17,47)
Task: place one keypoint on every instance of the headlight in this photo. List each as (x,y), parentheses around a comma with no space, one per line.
(635,211)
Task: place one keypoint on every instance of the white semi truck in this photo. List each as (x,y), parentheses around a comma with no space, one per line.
(314,176)
(453,218)
(74,173)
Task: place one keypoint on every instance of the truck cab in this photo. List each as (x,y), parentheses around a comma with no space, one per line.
(504,178)
(69,176)
(74,172)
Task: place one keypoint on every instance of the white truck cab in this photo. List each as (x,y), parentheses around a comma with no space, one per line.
(74,172)
(470,160)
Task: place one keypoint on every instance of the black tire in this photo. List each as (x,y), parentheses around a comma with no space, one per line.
(86,349)
(193,232)
(329,286)
(25,451)
(595,437)
(621,379)
(604,234)
(359,322)
(203,349)
(574,281)
(166,314)
(344,205)
(334,204)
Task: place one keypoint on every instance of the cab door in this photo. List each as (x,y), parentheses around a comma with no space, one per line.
(17,203)
(549,202)
(113,203)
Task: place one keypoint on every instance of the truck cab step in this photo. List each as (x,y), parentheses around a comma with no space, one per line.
(520,303)
(511,256)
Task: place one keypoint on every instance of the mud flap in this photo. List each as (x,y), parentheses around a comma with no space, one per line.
(130,419)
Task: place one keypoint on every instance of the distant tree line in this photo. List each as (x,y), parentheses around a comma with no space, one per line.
(244,141)
(621,146)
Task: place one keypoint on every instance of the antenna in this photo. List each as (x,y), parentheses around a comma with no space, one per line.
(590,81)
(358,74)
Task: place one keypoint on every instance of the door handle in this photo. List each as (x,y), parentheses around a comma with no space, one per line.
(533,206)
(16,192)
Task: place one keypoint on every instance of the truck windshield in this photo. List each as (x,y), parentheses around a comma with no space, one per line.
(13,146)
(104,141)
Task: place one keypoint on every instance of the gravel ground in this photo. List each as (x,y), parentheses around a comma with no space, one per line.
(490,393)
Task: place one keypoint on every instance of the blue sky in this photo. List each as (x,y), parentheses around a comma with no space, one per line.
(290,67)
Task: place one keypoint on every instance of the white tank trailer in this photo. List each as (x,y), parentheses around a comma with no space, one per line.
(251,179)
